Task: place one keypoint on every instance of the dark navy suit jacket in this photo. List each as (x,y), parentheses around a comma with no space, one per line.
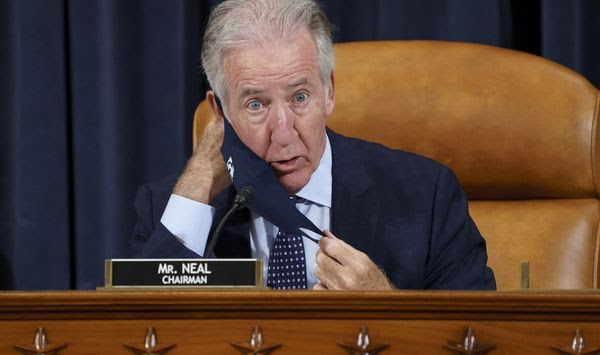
(406,212)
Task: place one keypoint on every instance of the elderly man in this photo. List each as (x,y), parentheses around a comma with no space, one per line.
(397,220)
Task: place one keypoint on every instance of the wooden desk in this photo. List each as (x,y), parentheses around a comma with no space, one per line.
(100,322)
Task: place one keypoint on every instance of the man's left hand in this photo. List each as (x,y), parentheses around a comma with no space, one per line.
(341,267)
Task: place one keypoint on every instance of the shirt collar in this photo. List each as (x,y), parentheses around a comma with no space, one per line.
(318,188)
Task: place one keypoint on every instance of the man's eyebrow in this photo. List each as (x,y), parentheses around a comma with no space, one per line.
(303,81)
(250,91)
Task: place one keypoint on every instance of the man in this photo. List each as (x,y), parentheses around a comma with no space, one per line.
(397,220)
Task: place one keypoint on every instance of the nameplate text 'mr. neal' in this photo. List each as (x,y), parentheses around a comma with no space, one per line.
(177,273)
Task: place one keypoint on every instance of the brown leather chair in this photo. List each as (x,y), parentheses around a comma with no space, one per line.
(519,131)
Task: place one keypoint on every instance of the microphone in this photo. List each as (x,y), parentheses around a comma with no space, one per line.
(242,199)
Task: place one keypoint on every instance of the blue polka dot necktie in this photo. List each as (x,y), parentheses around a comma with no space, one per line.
(287,265)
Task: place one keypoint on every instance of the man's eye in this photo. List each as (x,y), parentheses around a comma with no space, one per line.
(301,98)
(254,105)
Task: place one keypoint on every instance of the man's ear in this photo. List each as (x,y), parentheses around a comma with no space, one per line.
(330,99)
(216,109)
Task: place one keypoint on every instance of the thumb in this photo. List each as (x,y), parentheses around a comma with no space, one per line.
(327,233)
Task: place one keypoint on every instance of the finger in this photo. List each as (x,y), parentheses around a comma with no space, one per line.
(319,287)
(329,272)
(328,233)
(209,144)
(324,278)
(324,243)
(338,249)
(327,263)
(215,129)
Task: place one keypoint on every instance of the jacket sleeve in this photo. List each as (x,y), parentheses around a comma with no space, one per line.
(458,257)
(150,238)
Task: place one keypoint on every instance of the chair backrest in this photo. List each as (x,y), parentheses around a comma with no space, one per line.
(519,131)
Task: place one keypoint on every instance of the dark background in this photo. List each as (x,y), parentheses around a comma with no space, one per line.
(97,97)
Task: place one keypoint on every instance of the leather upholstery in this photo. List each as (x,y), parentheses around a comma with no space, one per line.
(518,130)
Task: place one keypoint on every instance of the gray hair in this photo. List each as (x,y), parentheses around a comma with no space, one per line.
(240,23)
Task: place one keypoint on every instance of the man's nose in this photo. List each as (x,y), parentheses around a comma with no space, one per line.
(283,131)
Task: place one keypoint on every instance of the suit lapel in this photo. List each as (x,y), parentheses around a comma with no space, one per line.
(354,202)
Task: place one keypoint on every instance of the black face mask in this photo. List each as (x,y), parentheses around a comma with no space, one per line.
(270,200)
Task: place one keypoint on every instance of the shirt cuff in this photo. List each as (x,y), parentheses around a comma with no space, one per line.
(189,221)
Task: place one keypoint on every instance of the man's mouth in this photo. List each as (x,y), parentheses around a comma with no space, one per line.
(286,166)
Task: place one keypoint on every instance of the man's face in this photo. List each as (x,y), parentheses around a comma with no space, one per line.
(278,106)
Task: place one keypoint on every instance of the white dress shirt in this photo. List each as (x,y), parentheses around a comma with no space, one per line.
(189,221)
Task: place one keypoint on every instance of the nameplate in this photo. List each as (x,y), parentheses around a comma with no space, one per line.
(183,273)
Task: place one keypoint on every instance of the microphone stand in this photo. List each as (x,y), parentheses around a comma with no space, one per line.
(241,200)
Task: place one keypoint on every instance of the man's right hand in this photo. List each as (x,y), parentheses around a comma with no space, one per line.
(205,174)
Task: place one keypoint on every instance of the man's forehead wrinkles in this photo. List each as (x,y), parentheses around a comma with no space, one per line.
(256,76)
(253,89)
(259,84)
(247,72)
